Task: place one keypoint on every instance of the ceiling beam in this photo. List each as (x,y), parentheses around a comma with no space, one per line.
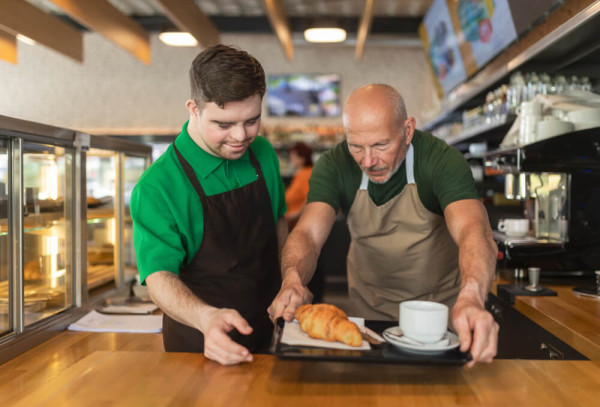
(187,16)
(8,47)
(20,17)
(363,28)
(281,26)
(107,20)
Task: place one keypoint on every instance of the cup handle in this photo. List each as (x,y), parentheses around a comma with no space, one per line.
(501,226)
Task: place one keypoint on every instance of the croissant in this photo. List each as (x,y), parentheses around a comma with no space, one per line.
(328,322)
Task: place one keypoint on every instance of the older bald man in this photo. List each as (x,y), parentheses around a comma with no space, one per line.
(419,231)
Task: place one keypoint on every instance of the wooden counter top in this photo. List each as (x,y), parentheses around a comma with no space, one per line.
(144,378)
(573,318)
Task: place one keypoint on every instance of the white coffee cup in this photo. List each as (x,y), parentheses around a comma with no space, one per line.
(533,107)
(585,118)
(514,227)
(424,321)
(584,115)
(551,126)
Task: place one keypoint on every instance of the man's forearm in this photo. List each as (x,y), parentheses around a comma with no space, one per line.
(477,263)
(299,256)
(176,299)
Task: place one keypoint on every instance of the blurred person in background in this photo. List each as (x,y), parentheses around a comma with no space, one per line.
(297,191)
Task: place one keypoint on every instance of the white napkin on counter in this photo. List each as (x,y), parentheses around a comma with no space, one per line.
(294,335)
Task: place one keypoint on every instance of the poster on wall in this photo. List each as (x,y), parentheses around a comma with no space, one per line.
(441,46)
(483,29)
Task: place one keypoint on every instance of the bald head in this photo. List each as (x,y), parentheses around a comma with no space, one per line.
(378,131)
(375,104)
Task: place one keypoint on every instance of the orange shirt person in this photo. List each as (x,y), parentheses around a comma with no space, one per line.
(297,191)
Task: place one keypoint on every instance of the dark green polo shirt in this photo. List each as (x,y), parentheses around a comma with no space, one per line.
(441,173)
(166,210)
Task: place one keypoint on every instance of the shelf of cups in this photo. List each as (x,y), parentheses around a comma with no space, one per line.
(470,133)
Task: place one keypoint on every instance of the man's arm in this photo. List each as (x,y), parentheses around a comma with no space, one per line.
(299,258)
(180,303)
(282,233)
(469,226)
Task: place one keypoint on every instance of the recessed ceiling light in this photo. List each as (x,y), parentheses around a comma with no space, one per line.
(325,35)
(178,39)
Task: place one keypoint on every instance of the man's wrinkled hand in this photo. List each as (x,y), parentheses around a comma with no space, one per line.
(218,346)
(291,296)
(477,331)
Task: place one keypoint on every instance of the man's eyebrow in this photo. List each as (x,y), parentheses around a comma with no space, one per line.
(229,123)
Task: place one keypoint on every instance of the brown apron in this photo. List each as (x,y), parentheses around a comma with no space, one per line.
(237,265)
(399,251)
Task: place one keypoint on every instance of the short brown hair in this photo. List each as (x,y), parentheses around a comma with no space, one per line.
(222,74)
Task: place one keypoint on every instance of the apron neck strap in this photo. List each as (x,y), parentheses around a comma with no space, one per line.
(410,162)
(410,171)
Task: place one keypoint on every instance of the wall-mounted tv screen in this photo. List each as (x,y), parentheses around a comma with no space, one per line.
(303,95)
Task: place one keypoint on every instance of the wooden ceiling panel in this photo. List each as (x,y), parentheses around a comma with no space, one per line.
(101,16)
(186,15)
(364,27)
(281,26)
(20,17)
(8,47)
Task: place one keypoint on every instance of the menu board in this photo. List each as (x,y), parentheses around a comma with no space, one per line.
(440,43)
(484,28)
(461,36)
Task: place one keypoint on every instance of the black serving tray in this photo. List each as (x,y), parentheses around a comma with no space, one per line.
(384,353)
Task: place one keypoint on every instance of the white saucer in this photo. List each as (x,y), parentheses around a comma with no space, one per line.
(391,335)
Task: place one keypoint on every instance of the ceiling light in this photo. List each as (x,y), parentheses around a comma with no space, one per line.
(178,39)
(25,39)
(325,35)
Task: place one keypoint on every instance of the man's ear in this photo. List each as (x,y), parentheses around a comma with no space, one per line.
(192,108)
(409,127)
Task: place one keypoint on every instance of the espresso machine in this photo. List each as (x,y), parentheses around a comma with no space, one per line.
(558,182)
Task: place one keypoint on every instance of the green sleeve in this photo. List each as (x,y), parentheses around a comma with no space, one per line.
(156,238)
(269,163)
(452,178)
(325,181)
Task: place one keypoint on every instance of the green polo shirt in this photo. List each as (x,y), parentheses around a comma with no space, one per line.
(442,176)
(166,210)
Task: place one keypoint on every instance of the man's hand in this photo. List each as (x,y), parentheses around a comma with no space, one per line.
(477,331)
(218,346)
(291,296)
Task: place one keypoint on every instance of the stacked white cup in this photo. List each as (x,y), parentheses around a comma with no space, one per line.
(530,113)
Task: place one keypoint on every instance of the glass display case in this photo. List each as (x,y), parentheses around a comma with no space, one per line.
(133,167)
(65,227)
(4,258)
(113,167)
(101,214)
(47,230)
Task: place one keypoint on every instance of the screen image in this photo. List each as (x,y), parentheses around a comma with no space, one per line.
(316,95)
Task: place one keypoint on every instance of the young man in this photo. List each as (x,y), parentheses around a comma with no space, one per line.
(208,216)
(418,229)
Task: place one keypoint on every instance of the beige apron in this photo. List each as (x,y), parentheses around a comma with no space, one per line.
(399,251)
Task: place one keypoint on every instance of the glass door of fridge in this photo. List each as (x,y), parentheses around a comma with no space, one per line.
(5,305)
(47,230)
(101,187)
(133,167)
